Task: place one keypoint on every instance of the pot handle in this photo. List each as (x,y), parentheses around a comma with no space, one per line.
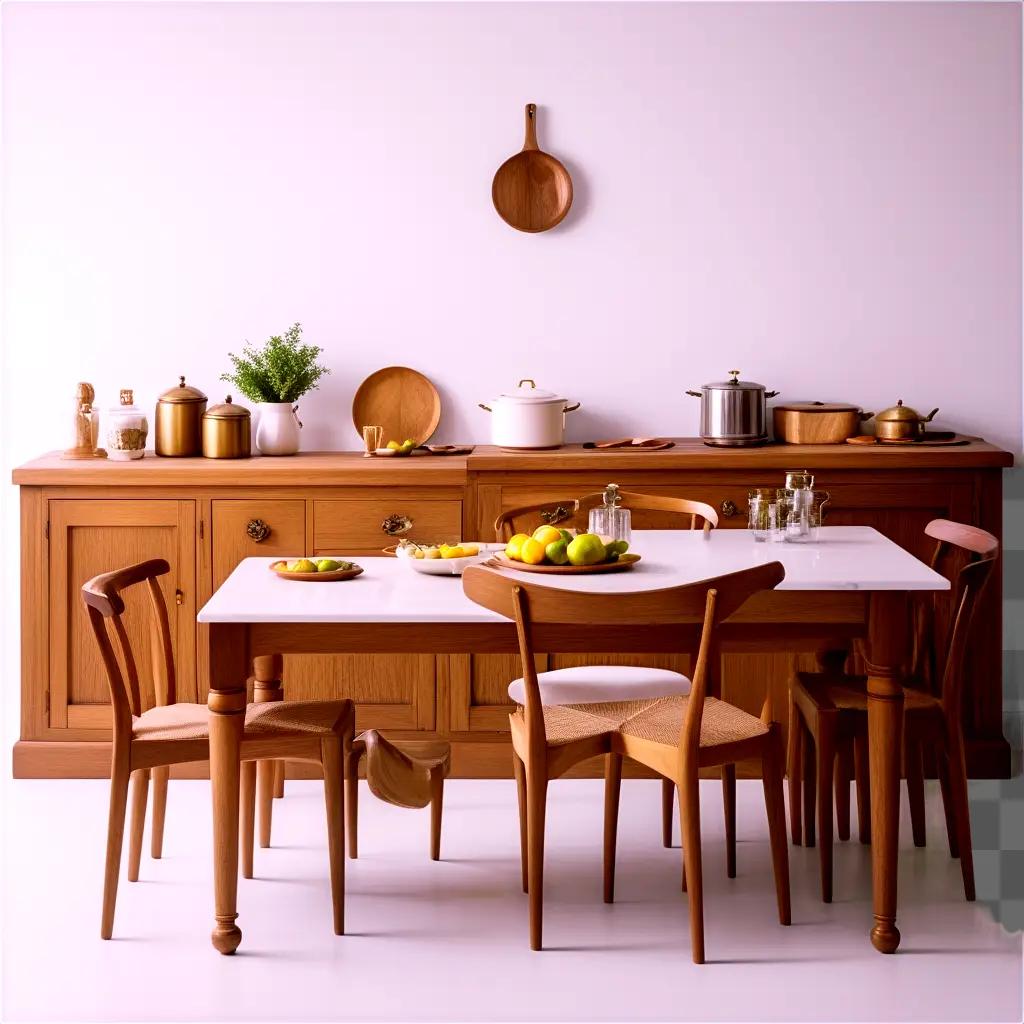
(486,408)
(866,416)
(696,394)
(571,408)
(771,394)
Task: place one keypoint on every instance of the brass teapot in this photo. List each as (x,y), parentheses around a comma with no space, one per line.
(901,423)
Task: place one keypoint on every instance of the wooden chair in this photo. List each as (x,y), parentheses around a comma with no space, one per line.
(147,742)
(675,736)
(828,712)
(413,777)
(582,683)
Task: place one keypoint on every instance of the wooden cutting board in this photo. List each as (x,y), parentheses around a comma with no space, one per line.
(400,400)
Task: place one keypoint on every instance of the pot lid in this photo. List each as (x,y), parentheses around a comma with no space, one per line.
(182,393)
(900,413)
(226,411)
(818,407)
(734,382)
(527,391)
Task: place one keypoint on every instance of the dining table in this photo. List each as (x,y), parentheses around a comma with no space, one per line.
(849,583)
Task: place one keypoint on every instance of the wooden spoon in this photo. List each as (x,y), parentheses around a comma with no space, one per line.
(532,191)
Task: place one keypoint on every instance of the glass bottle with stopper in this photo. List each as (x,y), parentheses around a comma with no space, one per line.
(126,429)
(610,521)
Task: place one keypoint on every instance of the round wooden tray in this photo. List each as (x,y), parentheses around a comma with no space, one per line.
(400,400)
(626,561)
(315,577)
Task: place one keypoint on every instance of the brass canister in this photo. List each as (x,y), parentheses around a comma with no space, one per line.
(179,421)
(226,431)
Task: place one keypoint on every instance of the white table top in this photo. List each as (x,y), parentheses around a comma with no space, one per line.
(843,558)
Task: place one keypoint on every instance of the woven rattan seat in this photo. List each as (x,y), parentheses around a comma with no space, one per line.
(191,721)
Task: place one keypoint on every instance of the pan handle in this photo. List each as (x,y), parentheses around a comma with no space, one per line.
(486,408)
(571,408)
(696,394)
(531,127)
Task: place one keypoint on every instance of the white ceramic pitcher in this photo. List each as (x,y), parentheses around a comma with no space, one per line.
(277,432)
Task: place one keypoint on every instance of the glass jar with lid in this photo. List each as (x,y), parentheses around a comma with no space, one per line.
(126,429)
(611,520)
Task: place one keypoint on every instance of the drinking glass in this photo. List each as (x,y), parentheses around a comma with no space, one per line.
(373,438)
(760,513)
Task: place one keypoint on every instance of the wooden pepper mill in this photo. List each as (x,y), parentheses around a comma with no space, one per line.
(86,426)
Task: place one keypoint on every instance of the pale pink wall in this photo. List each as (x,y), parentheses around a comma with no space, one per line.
(826,195)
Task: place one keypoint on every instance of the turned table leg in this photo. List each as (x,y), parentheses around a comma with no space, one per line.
(228,657)
(267,670)
(887,640)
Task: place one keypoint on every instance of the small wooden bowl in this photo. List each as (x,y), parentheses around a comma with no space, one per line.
(314,577)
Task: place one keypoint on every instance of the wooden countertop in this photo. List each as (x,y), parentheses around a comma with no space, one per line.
(325,468)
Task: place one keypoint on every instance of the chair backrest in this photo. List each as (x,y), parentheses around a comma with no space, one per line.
(105,605)
(707,602)
(576,511)
(966,556)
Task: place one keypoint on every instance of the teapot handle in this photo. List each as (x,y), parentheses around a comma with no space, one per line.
(929,417)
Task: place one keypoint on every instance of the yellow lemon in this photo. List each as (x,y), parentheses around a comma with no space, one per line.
(470,549)
(514,547)
(452,552)
(547,535)
(532,551)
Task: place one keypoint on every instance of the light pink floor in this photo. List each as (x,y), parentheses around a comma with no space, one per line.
(448,941)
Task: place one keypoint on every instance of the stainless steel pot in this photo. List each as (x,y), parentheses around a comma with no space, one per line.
(733,412)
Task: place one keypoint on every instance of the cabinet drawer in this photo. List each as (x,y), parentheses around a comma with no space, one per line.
(349,526)
(286,520)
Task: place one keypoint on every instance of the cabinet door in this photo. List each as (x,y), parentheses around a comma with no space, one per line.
(88,537)
(390,691)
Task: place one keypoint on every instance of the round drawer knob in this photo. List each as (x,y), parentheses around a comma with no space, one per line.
(257,530)
(396,525)
(728,508)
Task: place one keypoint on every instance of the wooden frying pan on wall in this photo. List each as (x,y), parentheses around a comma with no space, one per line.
(532,191)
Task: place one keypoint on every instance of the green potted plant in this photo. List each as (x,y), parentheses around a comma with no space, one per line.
(275,377)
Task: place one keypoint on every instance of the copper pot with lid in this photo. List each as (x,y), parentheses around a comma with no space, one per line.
(901,423)
(179,419)
(227,431)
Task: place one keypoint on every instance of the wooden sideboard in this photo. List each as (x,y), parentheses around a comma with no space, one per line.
(81,518)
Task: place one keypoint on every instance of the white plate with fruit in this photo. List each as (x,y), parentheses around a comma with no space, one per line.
(560,551)
(320,570)
(445,559)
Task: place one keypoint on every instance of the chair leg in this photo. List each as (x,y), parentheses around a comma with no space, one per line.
(334,800)
(266,777)
(843,778)
(795,756)
(140,794)
(863,777)
(958,788)
(689,817)
(536,807)
(914,770)
(279,781)
(612,786)
(775,807)
(668,801)
(826,764)
(355,751)
(436,809)
(519,769)
(247,815)
(729,805)
(807,748)
(947,803)
(119,774)
(156,839)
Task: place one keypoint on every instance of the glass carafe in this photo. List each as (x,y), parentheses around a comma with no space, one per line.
(610,520)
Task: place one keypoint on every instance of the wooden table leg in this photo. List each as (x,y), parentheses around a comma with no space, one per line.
(887,643)
(267,671)
(228,669)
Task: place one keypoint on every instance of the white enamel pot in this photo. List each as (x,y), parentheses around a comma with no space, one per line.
(528,417)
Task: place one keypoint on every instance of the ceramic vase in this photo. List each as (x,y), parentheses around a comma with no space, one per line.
(277,432)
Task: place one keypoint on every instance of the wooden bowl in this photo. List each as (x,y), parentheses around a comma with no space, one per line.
(626,561)
(314,577)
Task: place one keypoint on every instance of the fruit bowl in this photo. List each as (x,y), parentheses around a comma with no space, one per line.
(622,563)
(446,564)
(345,571)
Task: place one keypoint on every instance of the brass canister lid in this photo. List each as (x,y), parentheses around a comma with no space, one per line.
(183,393)
(226,411)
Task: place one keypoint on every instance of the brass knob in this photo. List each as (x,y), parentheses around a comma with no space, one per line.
(396,524)
(257,530)
(728,508)
(179,597)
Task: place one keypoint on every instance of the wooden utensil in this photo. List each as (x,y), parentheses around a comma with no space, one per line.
(315,577)
(647,444)
(935,439)
(401,400)
(532,191)
(626,561)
